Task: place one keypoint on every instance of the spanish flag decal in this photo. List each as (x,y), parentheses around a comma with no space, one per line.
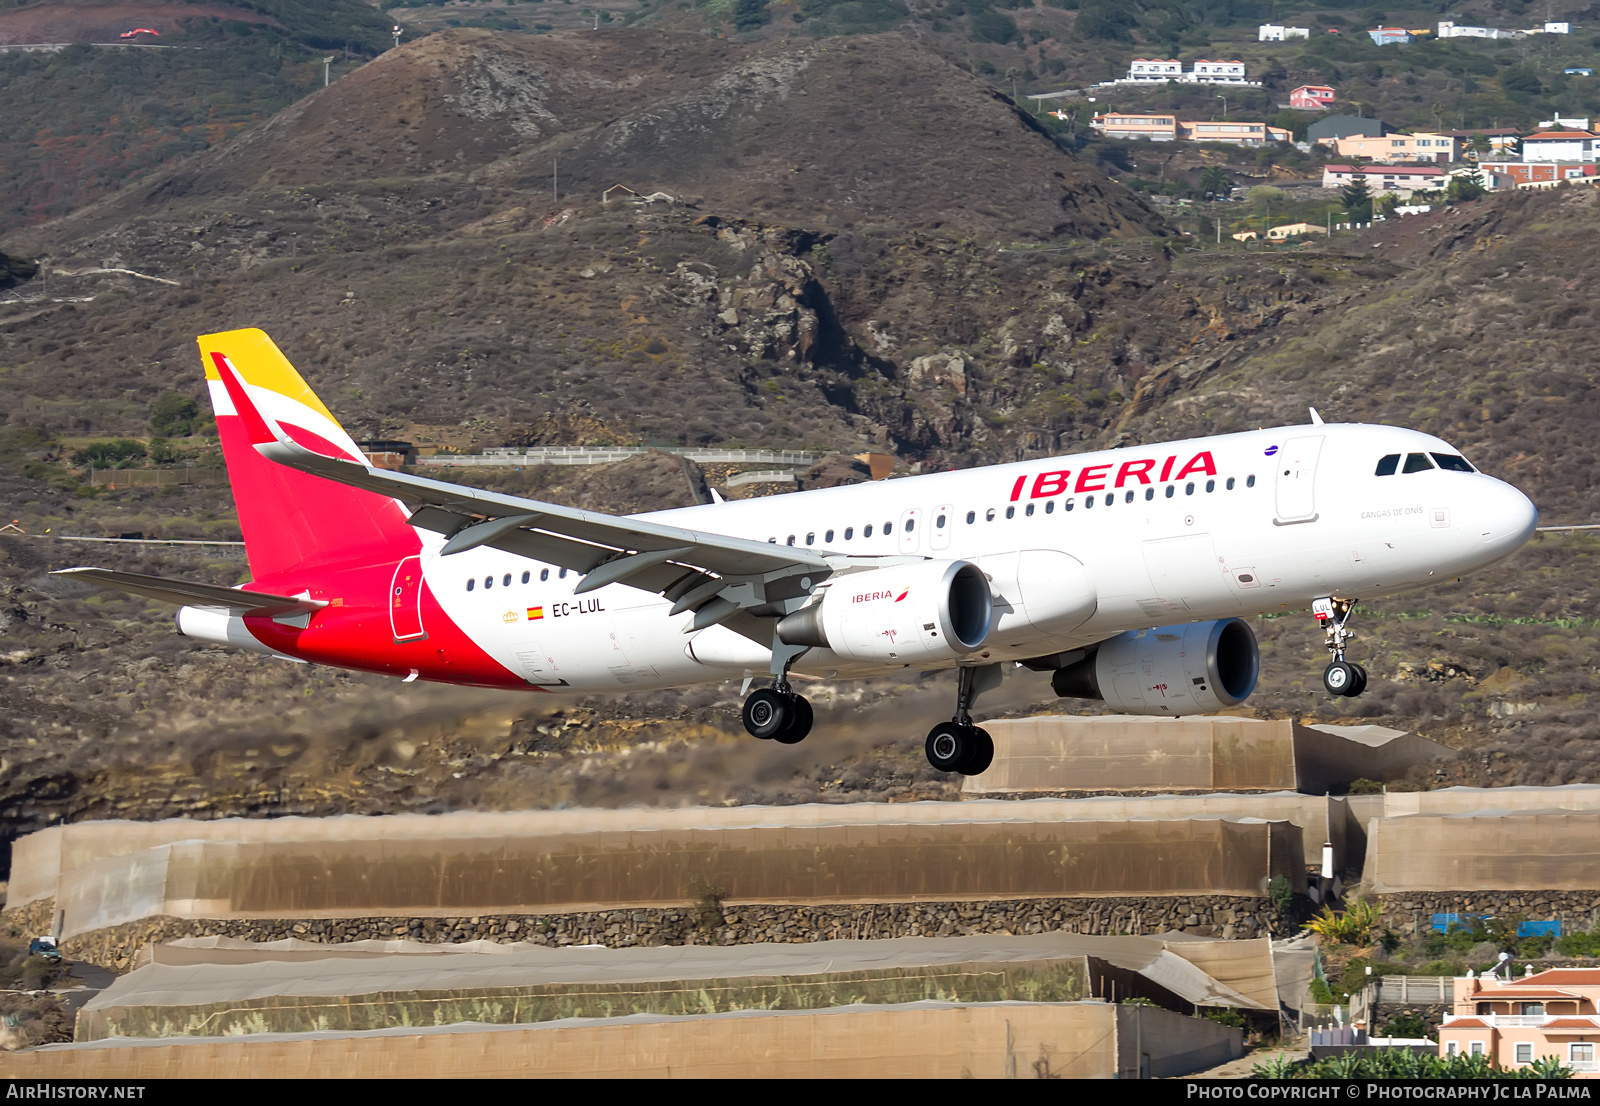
(535,613)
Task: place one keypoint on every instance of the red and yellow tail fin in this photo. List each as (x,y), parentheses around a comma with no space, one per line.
(293,521)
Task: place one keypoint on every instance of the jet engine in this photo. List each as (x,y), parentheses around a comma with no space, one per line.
(908,614)
(1170,670)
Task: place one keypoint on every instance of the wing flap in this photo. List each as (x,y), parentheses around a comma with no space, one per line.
(188,594)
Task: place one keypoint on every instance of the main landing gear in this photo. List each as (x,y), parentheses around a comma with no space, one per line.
(777,714)
(958,745)
(1341,677)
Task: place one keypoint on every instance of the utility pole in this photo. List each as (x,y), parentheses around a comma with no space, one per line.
(326,62)
(395,31)
(555,175)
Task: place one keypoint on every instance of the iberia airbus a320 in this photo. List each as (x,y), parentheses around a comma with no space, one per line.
(1121,572)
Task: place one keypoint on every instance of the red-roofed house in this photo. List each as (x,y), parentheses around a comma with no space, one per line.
(1402,180)
(1553,1013)
(1560,146)
(1312,97)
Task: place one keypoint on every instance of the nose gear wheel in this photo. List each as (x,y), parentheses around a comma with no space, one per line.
(1341,677)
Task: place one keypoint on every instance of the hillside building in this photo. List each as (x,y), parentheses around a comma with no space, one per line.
(1515,1022)
(1294,230)
(1500,175)
(1152,127)
(1502,141)
(1426,146)
(1561,146)
(1450,29)
(1273,32)
(1391,36)
(1333,127)
(1152,70)
(1312,97)
(1401,180)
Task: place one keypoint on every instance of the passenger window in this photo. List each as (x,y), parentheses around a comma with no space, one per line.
(1452,463)
(1028,510)
(791,540)
(772,541)
(1088,501)
(811,538)
(988,516)
(471,584)
(544,574)
(1188,489)
(1388,465)
(849,532)
(888,528)
(1129,498)
(1211,485)
(1049,506)
(1011,512)
(1230,484)
(526,576)
(972,516)
(1170,489)
(1149,494)
(506,580)
(562,574)
(939,522)
(1070,504)
(488,581)
(1250,481)
(1110,499)
(911,524)
(1416,462)
(828,537)
(866,531)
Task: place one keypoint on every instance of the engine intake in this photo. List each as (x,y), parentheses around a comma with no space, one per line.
(910,613)
(1168,670)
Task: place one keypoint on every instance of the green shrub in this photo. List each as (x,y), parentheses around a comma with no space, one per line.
(121,453)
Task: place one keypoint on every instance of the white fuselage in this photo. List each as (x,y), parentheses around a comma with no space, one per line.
(1077,548)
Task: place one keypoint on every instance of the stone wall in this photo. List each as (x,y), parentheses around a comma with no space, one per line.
(1411,912)
(713,923)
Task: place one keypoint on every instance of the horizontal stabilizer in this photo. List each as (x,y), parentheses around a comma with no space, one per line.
(187,594)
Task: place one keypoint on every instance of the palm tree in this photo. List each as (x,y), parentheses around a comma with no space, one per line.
(1216,181)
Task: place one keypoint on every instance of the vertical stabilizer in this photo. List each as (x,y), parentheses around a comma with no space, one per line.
(291,520)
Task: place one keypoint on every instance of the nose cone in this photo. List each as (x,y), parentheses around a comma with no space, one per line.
(1506,518)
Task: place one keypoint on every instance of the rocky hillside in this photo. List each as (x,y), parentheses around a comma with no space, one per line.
(958,292)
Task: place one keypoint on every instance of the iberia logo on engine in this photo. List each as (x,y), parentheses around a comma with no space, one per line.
(869,596)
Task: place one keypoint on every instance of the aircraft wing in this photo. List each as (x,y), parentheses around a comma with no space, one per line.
(187,594)
(714,574)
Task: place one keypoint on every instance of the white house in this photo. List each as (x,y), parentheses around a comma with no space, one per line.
(1448,29)
(1219,72)
(1149,70)
(1558,28)
(1155,69)
(1560,146)
(1272,32)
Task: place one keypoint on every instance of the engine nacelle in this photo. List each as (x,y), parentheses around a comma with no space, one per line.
(908,614)
(1172,670)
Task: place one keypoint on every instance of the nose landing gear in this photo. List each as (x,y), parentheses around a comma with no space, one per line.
(1341,677)
(958,745)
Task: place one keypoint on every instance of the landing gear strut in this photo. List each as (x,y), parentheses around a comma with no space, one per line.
(958,745)
(1341,677)
(778,713)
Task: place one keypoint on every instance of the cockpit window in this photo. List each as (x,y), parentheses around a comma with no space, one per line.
(1387,465)
(1417,462)
(1452,463)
